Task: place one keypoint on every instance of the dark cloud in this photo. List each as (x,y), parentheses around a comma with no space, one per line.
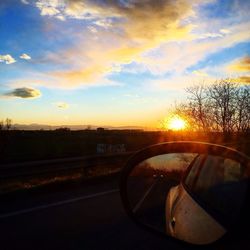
(24,93)
(127,5)
(144,19)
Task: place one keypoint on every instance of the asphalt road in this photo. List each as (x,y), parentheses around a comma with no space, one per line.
(79,217)
(84,216)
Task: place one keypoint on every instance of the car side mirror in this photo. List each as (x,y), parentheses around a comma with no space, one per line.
(195,192)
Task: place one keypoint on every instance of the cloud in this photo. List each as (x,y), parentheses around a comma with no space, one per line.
(154,35)
(210,35)
(225,31)
(243,79)
(62,105)
(104,23)
(178,57)
(8,59)
(24,93)
(48,8)
(103,58)
(137,26)
(151,19)
(24,2)
(60,17)
(242,64)
(25,57)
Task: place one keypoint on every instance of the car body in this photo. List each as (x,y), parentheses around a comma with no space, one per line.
(198,209)
(182,211)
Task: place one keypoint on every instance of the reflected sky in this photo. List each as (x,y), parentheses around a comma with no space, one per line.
(176,161)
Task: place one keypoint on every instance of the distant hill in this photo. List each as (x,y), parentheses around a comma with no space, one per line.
(35,126)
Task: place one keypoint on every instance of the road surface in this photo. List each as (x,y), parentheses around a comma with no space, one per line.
(78,217)
(82,216)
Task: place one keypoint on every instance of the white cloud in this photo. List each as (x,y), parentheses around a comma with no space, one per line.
(60,17)
(154,35)
(178,57)
(50,7)
(62,9)
(210,35)
(104,23)
(24,2)
(25,57)
(8,59)
(94,57)
(225,31)
(48,11)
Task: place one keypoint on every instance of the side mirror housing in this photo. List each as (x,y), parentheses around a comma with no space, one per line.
(192,191)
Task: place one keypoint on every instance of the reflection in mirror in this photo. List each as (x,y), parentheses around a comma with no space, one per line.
(192,197)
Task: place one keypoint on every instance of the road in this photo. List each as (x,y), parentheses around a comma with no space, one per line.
(78,217)
(81,216)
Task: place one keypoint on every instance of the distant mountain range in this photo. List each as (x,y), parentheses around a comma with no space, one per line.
(35,126)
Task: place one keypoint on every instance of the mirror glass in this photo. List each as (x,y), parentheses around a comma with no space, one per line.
(194,198)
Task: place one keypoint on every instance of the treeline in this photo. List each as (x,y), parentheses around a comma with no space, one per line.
(6,124)
(223,106)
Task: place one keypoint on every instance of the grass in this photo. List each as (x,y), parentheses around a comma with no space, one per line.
(19,146)
(33,182)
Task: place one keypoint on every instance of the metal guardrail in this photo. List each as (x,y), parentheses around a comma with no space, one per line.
(36,168)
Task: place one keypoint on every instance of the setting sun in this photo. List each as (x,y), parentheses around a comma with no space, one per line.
(176,123)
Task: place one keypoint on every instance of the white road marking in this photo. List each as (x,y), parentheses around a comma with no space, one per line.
(139,203)
(59,203)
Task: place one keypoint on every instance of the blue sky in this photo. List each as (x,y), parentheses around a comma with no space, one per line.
(115,62)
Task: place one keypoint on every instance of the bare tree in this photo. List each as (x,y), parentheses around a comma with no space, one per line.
(223,98)
(223,106)
(199,106)
(8,124)
(1,125)
(243,111)
(5,126)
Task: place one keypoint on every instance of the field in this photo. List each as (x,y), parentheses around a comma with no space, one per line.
(19,147)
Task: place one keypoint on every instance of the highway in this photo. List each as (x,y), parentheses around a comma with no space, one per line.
(82,216)
(75,216)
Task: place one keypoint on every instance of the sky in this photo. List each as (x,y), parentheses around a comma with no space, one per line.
(115,62)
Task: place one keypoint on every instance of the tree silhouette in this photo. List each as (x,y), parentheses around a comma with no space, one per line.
(223,106)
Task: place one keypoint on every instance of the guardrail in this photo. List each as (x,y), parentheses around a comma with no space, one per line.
(35,168)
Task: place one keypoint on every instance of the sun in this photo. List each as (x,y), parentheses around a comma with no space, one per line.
(176,123)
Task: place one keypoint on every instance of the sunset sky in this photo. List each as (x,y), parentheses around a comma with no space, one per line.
(115,62)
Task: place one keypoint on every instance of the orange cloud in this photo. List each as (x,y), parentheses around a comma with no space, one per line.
(120,33)
(241,65)
(243,79)
(137,27)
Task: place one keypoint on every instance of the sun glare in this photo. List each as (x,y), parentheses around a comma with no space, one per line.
(176,123)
